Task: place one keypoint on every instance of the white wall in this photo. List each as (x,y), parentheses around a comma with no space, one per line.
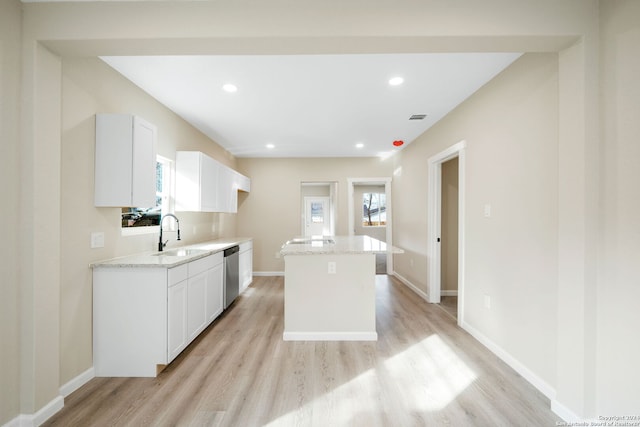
(618,314)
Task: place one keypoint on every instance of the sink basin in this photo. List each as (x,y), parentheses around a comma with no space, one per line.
(312,242)
(181,252)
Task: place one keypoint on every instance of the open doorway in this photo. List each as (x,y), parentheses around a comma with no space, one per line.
(318,208)
(370,214)
(449,237)
(446,229)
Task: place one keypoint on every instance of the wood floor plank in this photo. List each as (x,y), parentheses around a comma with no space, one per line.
(423,370)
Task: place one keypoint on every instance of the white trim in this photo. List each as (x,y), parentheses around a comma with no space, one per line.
(330,336)
(77,382)
(448,293)
(389,227)
(434,223)
(268,273)
(40,417)
(411,286)
(514,363)
(565,413)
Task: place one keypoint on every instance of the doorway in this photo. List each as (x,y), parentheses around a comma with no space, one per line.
(446,259)
(449,237)
(317,221)
(318,208)
(370,214)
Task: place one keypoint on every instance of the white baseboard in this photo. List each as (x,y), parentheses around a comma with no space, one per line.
(517,366)
(330,336)
(51,408)
(565,413)
(445,293)
(77,382)
(268,273)
(37,419)
(525,372)
(411,286)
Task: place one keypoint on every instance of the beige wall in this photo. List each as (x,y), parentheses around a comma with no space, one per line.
(510,126)
(271,212)
(618,381)
(10,66)
(90,86)
(449,226)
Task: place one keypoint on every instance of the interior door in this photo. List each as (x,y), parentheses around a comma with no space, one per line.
(317,218)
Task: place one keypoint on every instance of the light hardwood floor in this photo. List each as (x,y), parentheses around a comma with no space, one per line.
(422,371)
(450,305)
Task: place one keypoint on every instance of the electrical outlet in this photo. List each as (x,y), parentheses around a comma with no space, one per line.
(97,239)
(331,269)
(487,210)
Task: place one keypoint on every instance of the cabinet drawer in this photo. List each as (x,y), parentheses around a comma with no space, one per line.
(246,246)
(200,265)
(177,274)
(217,258)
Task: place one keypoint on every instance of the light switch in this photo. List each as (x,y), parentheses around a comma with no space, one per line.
(487,210)
(97,239)
(487,302)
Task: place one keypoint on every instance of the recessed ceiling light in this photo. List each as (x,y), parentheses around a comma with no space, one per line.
(396,81)
(230,88)
(270,146)
(359,145)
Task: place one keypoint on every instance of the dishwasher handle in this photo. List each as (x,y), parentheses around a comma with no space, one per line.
(232,250)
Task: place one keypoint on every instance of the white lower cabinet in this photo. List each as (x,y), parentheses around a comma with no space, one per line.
(215,292)
(144,317)
(245,264)
(177,323)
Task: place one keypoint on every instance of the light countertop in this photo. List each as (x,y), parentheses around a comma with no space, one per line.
(169,258)
(337,245)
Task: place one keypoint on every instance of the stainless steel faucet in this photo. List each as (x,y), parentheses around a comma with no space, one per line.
(160,244)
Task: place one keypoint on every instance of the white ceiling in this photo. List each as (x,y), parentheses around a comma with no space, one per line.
(312,105)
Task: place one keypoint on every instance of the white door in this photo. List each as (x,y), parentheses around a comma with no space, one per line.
(317,216)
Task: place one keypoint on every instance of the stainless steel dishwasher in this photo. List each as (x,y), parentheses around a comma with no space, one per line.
(231,275)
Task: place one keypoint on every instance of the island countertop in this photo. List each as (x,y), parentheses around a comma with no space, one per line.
(171,257)
(337,245)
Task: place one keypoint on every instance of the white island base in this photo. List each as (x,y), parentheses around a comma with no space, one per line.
(330,297)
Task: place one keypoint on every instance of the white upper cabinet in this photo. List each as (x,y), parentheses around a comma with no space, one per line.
(196,176)
(206,185)
(125,161)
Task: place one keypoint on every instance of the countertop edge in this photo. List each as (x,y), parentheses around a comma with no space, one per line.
(151,260)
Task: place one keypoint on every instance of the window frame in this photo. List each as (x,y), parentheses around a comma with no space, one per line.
(167,199)
(371,194)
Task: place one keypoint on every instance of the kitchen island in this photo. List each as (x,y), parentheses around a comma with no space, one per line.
(329,288)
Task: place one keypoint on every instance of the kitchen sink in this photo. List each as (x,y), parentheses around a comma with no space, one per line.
(312,242)
(181,252)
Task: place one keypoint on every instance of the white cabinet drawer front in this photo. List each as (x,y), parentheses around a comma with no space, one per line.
(177,274)
(217,258)
(246,246)
(200,265)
